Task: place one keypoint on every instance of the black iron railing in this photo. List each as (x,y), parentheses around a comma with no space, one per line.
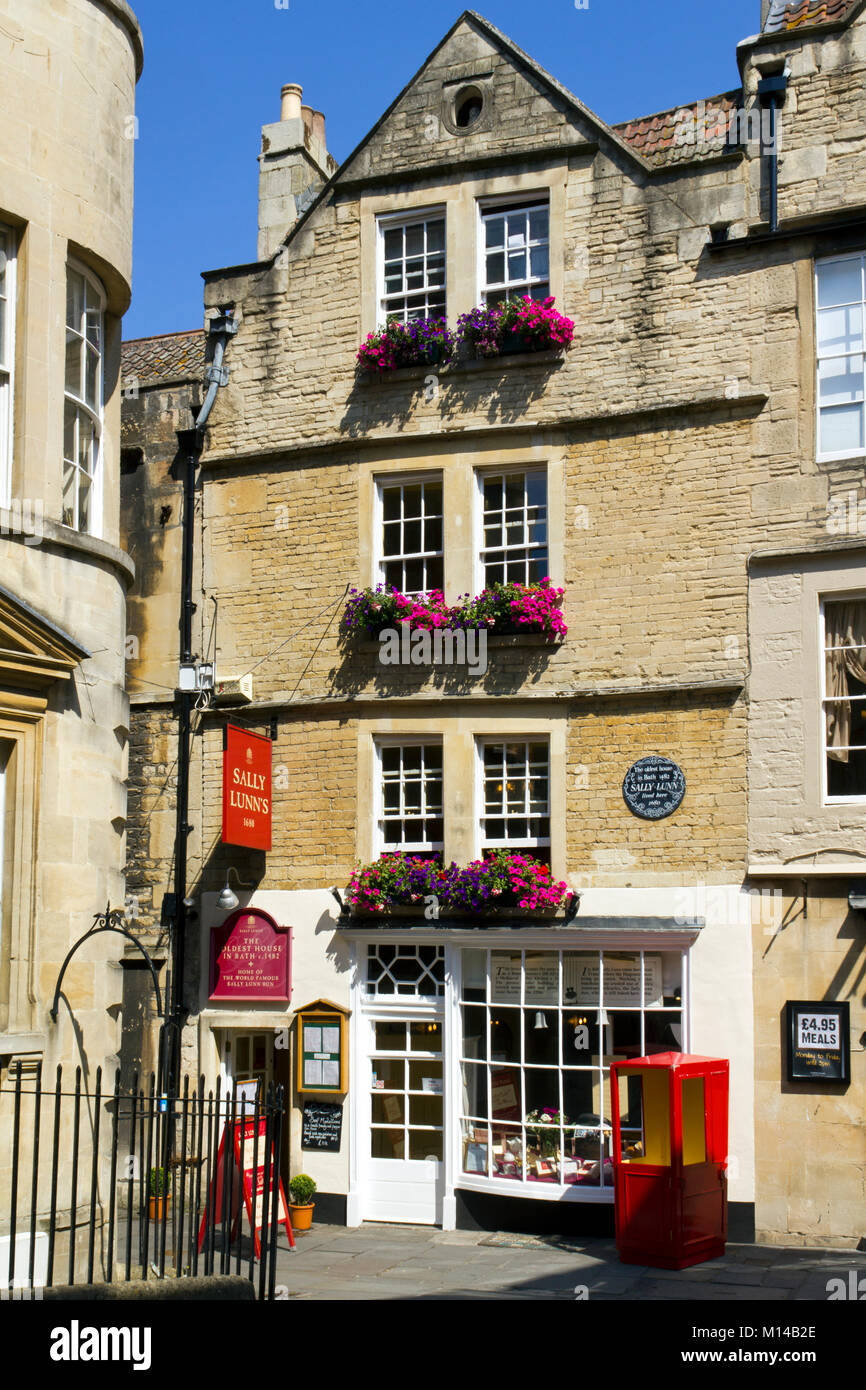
(106,1186)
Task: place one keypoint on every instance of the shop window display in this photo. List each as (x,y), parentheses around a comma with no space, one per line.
(540,1030)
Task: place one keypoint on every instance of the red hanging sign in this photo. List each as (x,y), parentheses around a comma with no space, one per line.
(246,788)
(253,1182)
(251,957)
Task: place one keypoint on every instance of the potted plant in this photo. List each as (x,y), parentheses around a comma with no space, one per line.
(159,1193)
(301,1190)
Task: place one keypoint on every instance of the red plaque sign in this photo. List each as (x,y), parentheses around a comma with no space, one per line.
(246,788)
(250,957)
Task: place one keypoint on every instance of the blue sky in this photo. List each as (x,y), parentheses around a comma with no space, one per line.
(213,70)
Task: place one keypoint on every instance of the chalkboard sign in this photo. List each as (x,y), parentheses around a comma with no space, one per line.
(819,1047)
(322,1126)
(653,787)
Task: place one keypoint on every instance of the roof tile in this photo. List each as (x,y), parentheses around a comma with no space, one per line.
(164,357)
(784,15)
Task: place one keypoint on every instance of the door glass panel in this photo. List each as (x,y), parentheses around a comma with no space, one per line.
(391,1037)
(425,1037)
(425,1110)
(388,1109)
(387,1143)
(426,1076)
(425,1144)
(388,1074)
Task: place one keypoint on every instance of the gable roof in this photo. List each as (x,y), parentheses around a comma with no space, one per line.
(785,15)
(522,59)
(698,130)
(164,358)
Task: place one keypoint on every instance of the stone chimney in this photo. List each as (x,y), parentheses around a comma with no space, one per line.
(294,165)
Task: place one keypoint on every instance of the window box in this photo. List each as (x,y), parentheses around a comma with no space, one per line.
(504,881)
(514,326)
(415,343)
(515,610)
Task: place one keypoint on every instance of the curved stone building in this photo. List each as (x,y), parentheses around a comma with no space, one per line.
(68,74)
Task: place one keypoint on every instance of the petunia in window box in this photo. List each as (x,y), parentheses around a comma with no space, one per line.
(517,325)
(516,609)
(420,342)
(369,611)
(504,880)
(502,608)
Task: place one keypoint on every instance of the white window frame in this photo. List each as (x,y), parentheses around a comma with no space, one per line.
(404,480)
(486,475)
(487,207)
(96,416)
(821,455)
(859,596)
(7,366)
(389,222)
(405,950)
(380,843)
(525,843)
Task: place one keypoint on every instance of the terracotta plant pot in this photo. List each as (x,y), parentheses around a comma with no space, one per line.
(301,1217)
(156,1207)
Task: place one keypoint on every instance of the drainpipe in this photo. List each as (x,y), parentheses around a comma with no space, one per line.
(190,442)
(771,94)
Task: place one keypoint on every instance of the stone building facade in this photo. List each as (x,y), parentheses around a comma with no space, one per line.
(687,514)
(67,95)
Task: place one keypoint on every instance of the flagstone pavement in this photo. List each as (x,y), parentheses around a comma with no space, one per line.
(390,1262)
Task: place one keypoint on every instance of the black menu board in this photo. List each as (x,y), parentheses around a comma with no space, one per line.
(322,1125)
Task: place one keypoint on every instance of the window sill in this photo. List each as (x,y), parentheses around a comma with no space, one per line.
(550,1191)
(496,640)
(503,362)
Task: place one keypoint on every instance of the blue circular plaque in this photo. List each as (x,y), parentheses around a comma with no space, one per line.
(653,787)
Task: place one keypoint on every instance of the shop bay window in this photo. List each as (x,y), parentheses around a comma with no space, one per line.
(538,1032)
(841,307)
(410,795)
(514,527)
(412,268)
(82,409)
(516,796)
(844,721)
(515,252)
(411,535)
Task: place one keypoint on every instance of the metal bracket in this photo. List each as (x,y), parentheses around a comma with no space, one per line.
(108,920)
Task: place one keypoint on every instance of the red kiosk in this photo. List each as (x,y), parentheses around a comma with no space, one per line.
(670,1145)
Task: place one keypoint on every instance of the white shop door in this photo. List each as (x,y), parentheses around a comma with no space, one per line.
(402,1129)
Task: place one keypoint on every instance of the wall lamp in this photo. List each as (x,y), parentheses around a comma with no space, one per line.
(227,900)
